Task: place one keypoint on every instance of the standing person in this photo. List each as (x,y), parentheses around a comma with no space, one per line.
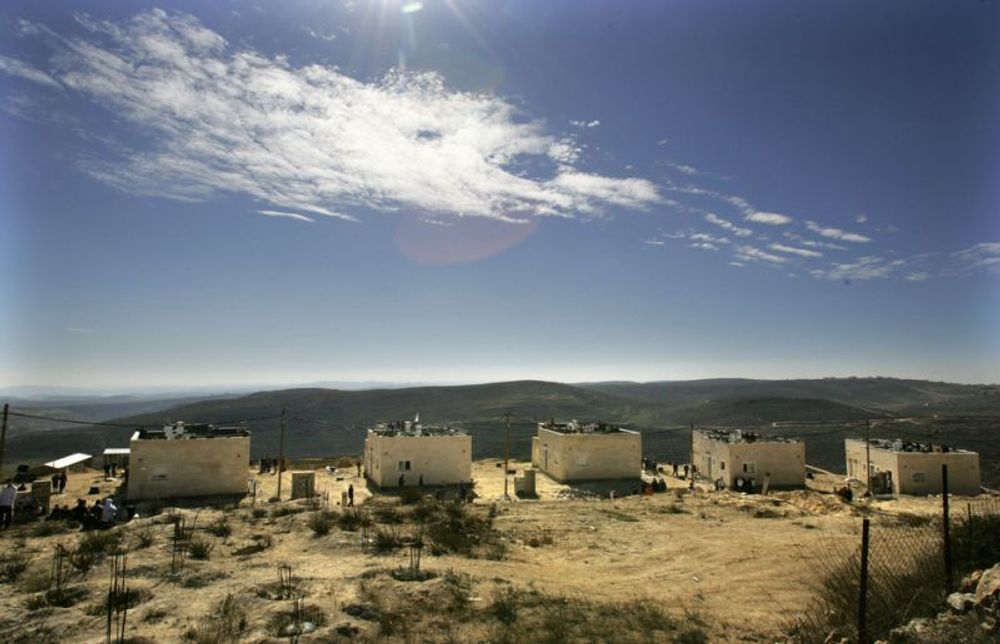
(7,496)
(62,480)
(350,495)
(108,512)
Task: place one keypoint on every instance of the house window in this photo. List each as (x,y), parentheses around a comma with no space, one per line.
(722,465)
(749,468)
(404,466)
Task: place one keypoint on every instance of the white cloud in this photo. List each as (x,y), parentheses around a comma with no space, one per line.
(216,119)
(705,237)
(861,219)
(654,242)
(585,124)
(712,218)
(919,276)
(802,252)
(704,246)
(663,142)
(769,218)
(982,256)
(281,213)
(811,243)
(15,67)
(329,37)
(864,268)
(836,233)
(753,254)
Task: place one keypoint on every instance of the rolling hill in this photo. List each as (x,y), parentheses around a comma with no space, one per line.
(331,422)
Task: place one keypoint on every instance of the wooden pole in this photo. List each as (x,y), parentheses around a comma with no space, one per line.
(863,595)
(947,530)
(3,435)
(868,457)
(506,458)
(281,453)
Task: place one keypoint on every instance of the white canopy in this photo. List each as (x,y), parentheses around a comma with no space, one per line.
(117,450)
(67,461)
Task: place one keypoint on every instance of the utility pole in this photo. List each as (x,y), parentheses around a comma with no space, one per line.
(506,458)
(3,435)
(281,453)
(868,456)
(691,455)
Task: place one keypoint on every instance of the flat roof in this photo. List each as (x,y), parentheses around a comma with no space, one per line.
(182,431)
(576,427)
(743,436)
(117,450)
(407,428)
(67,461)
(910,447)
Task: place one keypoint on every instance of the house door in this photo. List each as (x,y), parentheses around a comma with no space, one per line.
(545,458)
(709,468)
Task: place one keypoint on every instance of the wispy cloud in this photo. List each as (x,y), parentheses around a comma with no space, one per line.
(654,242)
(754,254)
(739,231)
(14,67)
(801,252)
(769,218)
(861,219)
(585,124)
(836,233)
(281,213)
(216,119)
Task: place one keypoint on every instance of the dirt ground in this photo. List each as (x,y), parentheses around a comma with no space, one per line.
(742,563)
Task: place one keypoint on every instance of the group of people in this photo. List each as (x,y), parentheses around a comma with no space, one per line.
(111,472)
(268,465)
(102,514)
(59,482)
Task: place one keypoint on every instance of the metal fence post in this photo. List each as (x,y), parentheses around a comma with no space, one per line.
(863,595)
(947,531)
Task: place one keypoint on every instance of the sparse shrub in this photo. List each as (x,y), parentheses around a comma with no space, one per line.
(410,495)
(388,514)
(36,602)
(200,549)
(320,523)
(286,510)
(351,520)
(13,565)
(154,616)
(258,513)
(220,528)
(673,508)
(504,606)
(225,625)
(386,540)
(143,538)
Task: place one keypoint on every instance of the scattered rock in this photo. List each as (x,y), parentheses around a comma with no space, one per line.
(347,630)
(989,584)
(362,611)
(961,602)
(534,542)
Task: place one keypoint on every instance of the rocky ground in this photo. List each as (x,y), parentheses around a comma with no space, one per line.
(675,566)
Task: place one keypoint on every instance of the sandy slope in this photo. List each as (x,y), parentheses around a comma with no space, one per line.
(743,563)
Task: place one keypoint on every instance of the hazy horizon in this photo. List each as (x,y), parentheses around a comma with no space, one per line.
(471,191)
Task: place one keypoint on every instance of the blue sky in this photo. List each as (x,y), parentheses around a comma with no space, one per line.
(467,191)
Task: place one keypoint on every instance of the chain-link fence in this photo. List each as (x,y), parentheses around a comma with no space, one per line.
(897,569)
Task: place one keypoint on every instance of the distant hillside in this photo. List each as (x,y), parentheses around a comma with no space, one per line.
(332,422)
(918,397)
(764,411)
